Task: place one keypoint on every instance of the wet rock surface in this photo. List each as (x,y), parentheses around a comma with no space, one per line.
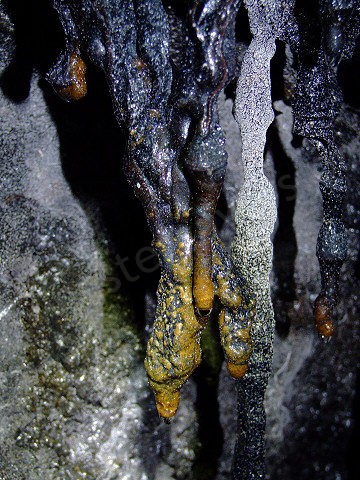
(74,396)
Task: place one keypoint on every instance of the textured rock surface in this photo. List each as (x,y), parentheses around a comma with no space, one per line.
(72,379)
(312,397)
(255,217)
(74,397)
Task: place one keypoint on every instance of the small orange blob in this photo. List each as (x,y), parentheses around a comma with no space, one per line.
(326,329)
(322,314)
(77,88)
(203,289)
(167,402)
(237,371)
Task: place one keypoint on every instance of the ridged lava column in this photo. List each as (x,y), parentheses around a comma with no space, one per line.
(255,218)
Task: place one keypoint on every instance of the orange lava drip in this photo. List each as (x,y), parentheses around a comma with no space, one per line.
(237,371)
(203,292)
(77,88)
(322,313)
(203,289)
(167,403)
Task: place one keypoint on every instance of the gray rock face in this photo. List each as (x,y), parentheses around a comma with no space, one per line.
(74,396)
(74,399)
(57,391)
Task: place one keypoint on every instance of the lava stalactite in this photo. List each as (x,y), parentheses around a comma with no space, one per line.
(165,68)
(175,162)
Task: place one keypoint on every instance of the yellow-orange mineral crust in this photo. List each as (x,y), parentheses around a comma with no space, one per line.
(173,350)
(236,343)
(235,318)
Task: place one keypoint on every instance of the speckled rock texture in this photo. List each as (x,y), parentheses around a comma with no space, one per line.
(60,350)
(255,217)
(74,397)
(76,309)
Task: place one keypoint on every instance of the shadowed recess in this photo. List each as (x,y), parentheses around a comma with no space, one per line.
(285,246)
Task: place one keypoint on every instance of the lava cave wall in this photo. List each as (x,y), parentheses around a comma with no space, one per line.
(77,301)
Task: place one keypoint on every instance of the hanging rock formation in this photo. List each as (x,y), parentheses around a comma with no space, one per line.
(166,64)
(255,218)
